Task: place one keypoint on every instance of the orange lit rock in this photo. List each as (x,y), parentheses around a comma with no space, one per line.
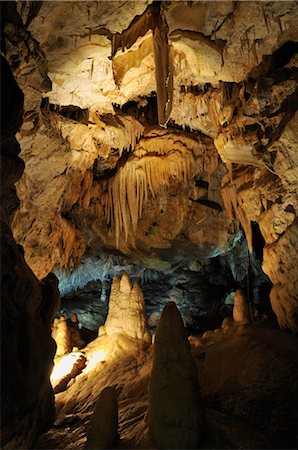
(241,308)
(281,265)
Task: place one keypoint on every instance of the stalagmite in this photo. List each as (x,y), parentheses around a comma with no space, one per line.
(176,416)
(75,336)
(61,335)
(103,430)
(241,308)
(127,313)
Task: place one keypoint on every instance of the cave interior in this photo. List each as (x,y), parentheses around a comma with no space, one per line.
(149,268)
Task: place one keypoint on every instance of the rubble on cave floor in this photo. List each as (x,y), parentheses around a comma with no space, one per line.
(247,375)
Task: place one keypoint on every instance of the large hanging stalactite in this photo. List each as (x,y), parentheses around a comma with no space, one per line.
(163,70)
(154,164)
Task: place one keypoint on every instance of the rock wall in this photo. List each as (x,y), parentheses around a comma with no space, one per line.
(27,305)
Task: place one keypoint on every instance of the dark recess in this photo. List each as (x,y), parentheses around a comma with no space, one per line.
(146,113)
(258,241)
(283,55)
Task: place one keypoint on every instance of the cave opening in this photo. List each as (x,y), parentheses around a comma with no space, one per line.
(149,237)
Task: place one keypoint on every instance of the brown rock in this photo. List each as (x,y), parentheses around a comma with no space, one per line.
(176,416)
(75,335)
(281,264)
(103,430)
(241,309)
(27,349)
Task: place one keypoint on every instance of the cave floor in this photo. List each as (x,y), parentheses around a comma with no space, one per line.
(248,379)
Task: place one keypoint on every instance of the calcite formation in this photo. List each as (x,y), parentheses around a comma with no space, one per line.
(66,334)
(241,309)
(61,335)
(75,335)
(280,263)
(127,313)
(176,417)
(155,130)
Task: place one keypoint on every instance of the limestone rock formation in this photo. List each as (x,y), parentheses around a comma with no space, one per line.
(176,417)
(127,313)
(27,305)
(281,264)
(61,335)
(75,335)
(132,107)
(67,368)
(103,430)
(125,331)
(240,308)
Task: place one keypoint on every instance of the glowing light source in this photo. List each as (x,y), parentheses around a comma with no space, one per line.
(63,368)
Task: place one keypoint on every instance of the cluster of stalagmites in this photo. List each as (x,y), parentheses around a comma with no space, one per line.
(176,415)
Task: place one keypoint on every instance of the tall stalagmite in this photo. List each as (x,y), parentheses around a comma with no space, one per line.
(176,415)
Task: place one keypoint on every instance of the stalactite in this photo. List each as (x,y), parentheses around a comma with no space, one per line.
(234,210)
(163,71)
(149,170)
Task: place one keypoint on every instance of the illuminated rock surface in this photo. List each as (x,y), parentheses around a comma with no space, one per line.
(127,313)
(246,379)
(154,135)
(61,335)
(114,178)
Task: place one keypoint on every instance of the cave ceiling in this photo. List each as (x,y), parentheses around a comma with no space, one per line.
(157,130)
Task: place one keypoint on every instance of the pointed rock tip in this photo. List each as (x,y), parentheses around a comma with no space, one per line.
(170,319)
(125,284)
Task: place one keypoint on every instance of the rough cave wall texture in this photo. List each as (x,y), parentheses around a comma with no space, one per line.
(155,129)
(27,305)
